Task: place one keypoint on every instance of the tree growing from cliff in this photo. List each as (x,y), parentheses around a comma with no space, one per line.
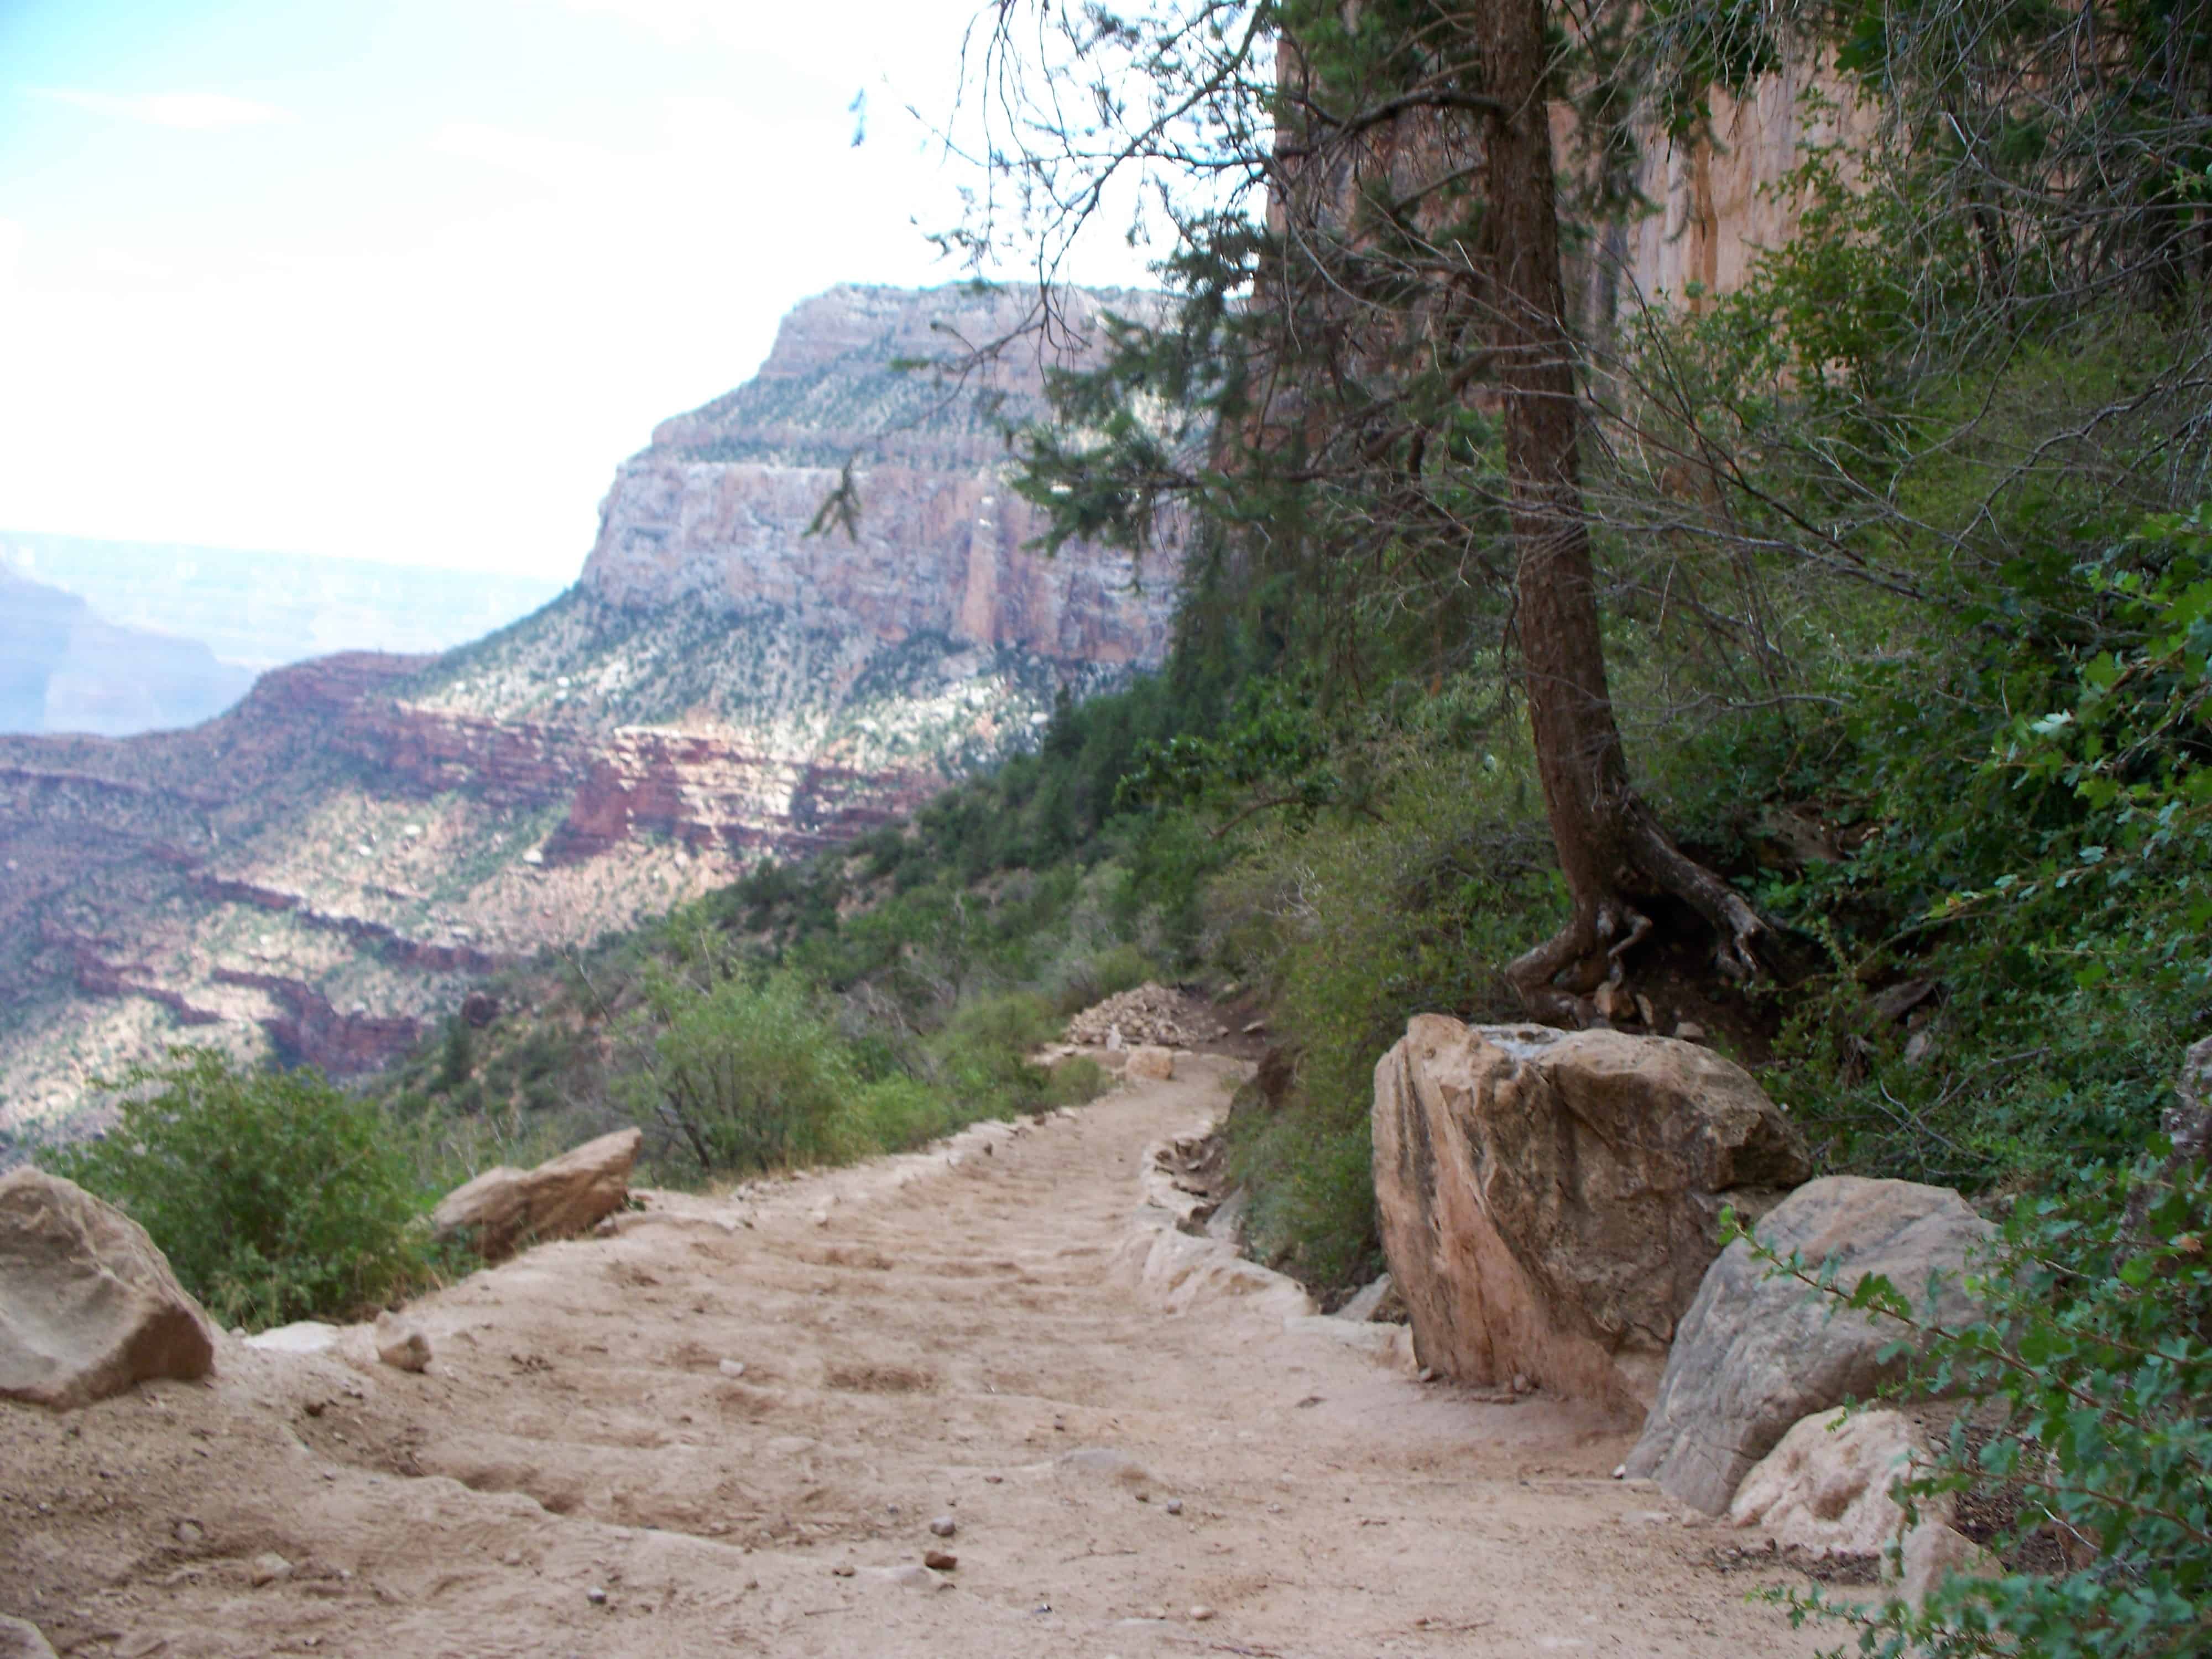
(1372,389)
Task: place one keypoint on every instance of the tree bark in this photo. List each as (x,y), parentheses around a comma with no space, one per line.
(1611,847)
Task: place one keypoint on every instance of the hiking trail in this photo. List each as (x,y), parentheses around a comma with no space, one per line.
(956,1333)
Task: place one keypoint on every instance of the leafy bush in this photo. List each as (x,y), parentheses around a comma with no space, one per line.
(747,1073)
(1354,924)
(1119,968)
(1076,1080)
(2023,820)
(2095,1345)
(982,1056)
(752,1071)
(275,1195)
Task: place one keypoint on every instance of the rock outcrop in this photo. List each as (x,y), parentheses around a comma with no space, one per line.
(89,1306)
(309,1032)
(1755,1354)
(1149,1062)
(1550,1202)
(503,1208)
(1720,200)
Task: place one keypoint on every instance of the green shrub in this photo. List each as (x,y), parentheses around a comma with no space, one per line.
(2094,1344)
(1354,924)
(1077,1081)
(748,1073)
(1106,973)
(897,1114)
(275,1195)
(982,1056)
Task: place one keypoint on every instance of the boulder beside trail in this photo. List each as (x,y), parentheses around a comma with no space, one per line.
(1149,1062)
(504,1208)
(1757,1353)
(89,1306)
(1550,1201)
(1828,1487)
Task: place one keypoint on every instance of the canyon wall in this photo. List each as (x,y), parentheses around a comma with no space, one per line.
(1721,201)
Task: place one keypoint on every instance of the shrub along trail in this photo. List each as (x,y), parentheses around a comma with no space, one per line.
(579,1472)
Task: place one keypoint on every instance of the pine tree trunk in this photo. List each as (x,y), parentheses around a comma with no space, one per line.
(1610,847)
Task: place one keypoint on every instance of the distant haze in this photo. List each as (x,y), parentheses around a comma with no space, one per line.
(257,610)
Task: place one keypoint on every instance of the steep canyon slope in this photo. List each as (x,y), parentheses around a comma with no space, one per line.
(324,869)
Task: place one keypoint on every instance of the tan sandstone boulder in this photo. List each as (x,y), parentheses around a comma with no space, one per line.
(1829,1487)
(1757,1352)
(89,1306)
(1550,1201)
(1149,1062)
(505,1208)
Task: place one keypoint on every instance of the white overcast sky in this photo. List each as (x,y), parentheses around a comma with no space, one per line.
(405,279)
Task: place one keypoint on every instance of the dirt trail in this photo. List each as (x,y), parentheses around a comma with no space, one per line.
(920,1337)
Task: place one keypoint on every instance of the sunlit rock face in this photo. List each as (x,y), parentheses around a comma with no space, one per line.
(1721,201)
(718,511)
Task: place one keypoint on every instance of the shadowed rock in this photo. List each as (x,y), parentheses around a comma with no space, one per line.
(1756,1354)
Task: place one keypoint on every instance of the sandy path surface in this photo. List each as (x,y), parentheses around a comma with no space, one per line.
(577,1473)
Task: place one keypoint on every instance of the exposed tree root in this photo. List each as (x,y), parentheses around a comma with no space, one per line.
(1554,979)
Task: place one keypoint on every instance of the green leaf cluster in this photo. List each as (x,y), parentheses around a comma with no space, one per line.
(275,1195)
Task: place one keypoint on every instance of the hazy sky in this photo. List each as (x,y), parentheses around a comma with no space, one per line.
(404,279)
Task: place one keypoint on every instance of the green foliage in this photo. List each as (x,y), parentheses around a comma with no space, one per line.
(1075,1082)
(457,1058)
(2019,819)
(747,1073)
(275,1196)
(2093,1349)
(1354,922)
(753,1070)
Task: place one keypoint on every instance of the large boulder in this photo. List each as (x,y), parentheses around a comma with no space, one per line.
(504,1208)
(89,1306)
(1756,1354)
(1550,1201)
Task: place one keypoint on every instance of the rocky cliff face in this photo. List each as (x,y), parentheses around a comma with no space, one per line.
(718,510)
(321,872)
(1719,202)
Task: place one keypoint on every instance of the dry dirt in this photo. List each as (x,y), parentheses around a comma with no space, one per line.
(576,1474)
